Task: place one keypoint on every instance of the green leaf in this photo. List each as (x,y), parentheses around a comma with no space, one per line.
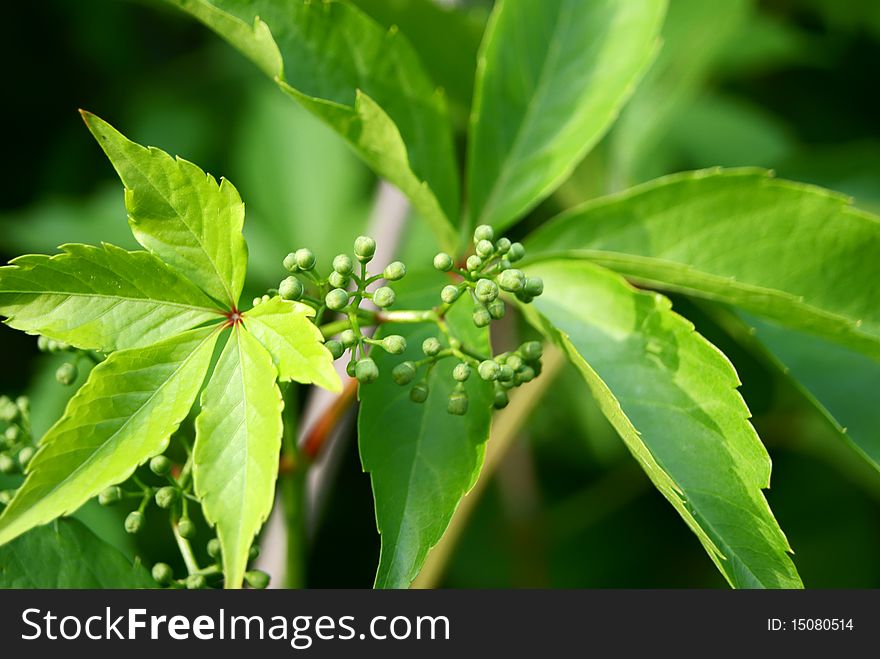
(122,416)
(238,439)
(294,341)
(66,554)
(788,251)
(362,80)
(180,213)
(552,76)
(100,298)
(422,460)
(672,397)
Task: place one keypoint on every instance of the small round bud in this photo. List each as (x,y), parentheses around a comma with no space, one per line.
(496,308)
(366,371)
(524,297)
(486,290)
(516,252)
(214,548)
(6,496)
(342,264)
(256,301)
(503,264)
(512,280)
(505,374)
(289,262)
(461,372)
(337,280)
(256,579)
(337,299)
(500,399)
(348,338)
(394,271)
(66,374)
(525,374)
(43,344)
(12,434)
(253,552)
(160,465)
(394,344)
(473,263)
(364,248)
(335,347)
(515,362)
(23,404)
(431,346)
(534,286)
(483,232)
(57,346)
(264,298)
(291,289)
(531,351)
(134,522)
(349,368)
(489,370)
(502,245)
(7,464)
(419,393)
(25,455)
(481,317)
(8,410)
(450,293)
(162,573)
(443,262)
(305,260)
(110,496)
(166,496)
(457,403)
(404,373)
(186,528)
(383,297)
(484,249)
(196,582)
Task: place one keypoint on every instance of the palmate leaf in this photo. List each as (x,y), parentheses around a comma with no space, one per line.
(362,80)
(421,459)
(123,415)
(671,395)
(792,252)
(180,213)
(551,77)
(101,298)
(238,440)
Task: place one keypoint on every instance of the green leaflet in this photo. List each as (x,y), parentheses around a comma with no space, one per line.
(101,298)
(295,343)
(422,460)
(551,77)
(365,82)
(180,213)
(792,252)
(66,554)
(672,397)
(238,439)
(122,416)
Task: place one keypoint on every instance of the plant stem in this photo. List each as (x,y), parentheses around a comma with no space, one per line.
(189,558)
(292,488)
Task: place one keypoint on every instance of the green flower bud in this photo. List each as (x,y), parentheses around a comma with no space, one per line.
(342,264)
(291,289)
(305,260)
(394,344)
(496,308)
(450,293)
(12,434)
(162,573)
(253,552)
(504,264)
(500,399)
(481,317)
(110,496)
(337,299)
(473,263)
(348,338)
(337,280)
(525,374)
(404,373)
(483,232)
(196,582)
(6,496)
(43,344)
(335,347)
(457,403)
(516,252)
(256,301)
(57,346)
(484,249)
(349,368)
(512,280)
(419,393)
(443,262)
(524,297)
(289,262)
(486,290)
(383,297)
(214,548)
(531,351)
(8,410)
(23,404)
(502,245)
(489,370)
(431,346)
(166,496)
(505,374)
(366,371)
(66,374)
(461,372)
(394,271)
(515,362)
(186,528)
(534,286)
(160,465)
(7,464)
(134,522)
(364,248)
(256,579)
(25,455)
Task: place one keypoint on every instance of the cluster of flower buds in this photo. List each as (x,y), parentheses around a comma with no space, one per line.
(67,373)
(209,576)
(16,442)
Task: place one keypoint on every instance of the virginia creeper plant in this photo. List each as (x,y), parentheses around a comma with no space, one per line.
(168,336)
